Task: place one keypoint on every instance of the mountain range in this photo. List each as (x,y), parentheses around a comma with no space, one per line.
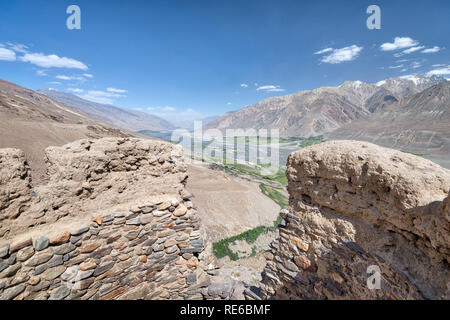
(323,110)
(421,124)
(127,119)
(31,122)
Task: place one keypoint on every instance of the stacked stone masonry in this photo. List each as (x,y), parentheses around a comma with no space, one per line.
(354,205)
(114,222)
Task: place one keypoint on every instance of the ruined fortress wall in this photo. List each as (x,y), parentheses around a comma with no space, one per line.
(355,207)
(114,222)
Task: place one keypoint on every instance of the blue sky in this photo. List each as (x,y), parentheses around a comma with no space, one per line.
(190,59)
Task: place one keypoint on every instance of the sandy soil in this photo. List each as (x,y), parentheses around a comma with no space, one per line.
(228,205)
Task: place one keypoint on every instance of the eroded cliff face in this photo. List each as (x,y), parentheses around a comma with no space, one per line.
(354,205)
(114,222)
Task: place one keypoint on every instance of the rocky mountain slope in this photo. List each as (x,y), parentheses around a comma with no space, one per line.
(315,112)
(421,125)
(354,205)
(31,121)
(131,120)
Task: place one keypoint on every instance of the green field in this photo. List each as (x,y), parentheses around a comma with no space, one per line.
(221,248)
(274,194)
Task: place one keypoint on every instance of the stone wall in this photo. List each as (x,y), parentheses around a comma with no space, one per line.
(113,222)
(354,205)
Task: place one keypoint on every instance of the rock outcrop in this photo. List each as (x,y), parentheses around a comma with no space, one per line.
(114,222)
(356,208)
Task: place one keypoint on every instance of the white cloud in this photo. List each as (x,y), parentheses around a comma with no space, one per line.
(343,54)
(7,55)
(116,90)
(162,108)
(413,49)
(244,85)
(76,90)
(41,73)
(88,75)
(324,51)
(438,65)
(68,78)
(101,96)
(52,61)
(270,88)
(416,65)
(399,43)
(229,103)
(439,72)
(17,47)
(431,50)
(54,82)
(396,67)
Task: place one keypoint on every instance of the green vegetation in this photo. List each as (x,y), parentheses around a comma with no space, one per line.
(274,194)
(416,154)
(163,135)
(280,176)
(311,141)
(221,248)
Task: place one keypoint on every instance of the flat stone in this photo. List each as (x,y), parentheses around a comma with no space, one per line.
(25,254)
(80,231)
(69,273)
(41,243)
(10,271)
(172,249)
(55,261)
(191,250)
(12,259)
(98,220)
(146,219)
(134,221)
(157,247)
(53,273)
(20,245)
(84,274)
(180,211)
(101,252)
(60,239)
(112,239)
(60,293)
(4,250)
(170,242)
(103,268)
(75,239)
(34,281)
(89,248)
(39,259)
(124,256)
(12,292)
(164,206)
(197,243)
(159,213)
(65,248)
(87,265)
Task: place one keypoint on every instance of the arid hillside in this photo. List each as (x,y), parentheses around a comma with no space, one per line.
(322,110)
(421,126)
(31,122)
